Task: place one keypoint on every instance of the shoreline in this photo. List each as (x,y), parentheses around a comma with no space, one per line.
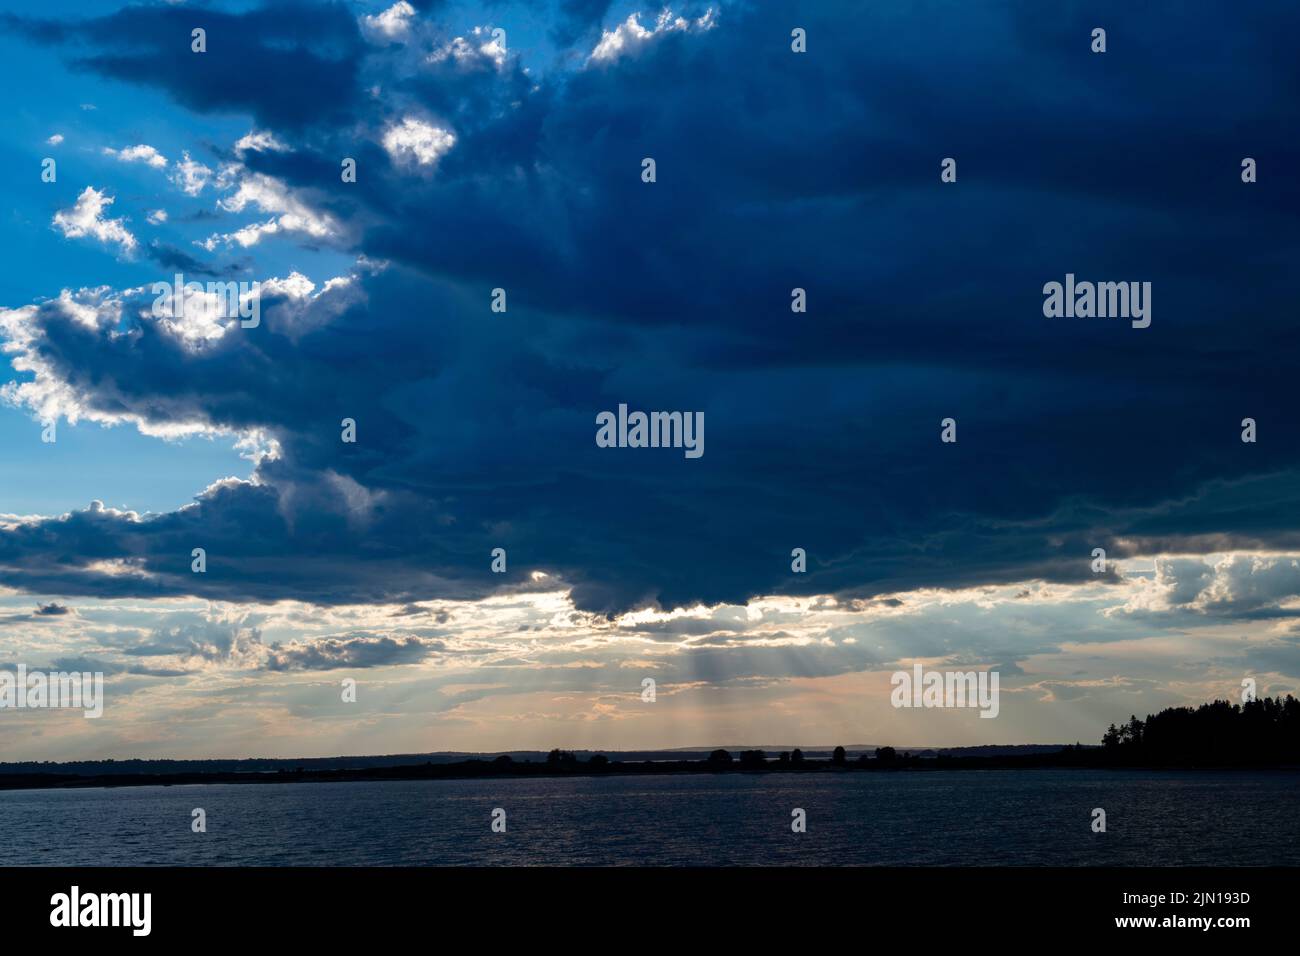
(481,769)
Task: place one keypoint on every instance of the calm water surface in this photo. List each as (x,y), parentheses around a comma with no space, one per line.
(952,818)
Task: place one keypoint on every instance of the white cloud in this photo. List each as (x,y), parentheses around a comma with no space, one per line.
(418,141)
(203,317)
(244,237)
(1218,584)
(627,35)
(271,195)
(630,36)
(483,47)
(157,217)
(142,153)
(191,176)
(260,141)
(393,24)
(294,286)
(55,140)
(268,194)
(493,49)
(48,394)
(86,218)
(204,314)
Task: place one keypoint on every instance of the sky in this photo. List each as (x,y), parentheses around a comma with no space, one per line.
(501,146)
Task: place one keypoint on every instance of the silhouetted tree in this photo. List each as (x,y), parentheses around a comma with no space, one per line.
(720,758)
(753,759)
(1264,731)
(886,754)
(796,755)
(839,757)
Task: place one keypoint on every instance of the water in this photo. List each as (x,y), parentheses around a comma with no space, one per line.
(950,818)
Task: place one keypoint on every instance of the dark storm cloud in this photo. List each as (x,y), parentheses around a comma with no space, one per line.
(288,63)
(357,650)
(42,612)
(775,170)
(169,257)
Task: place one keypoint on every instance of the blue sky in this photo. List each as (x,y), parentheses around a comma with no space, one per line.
(484,164)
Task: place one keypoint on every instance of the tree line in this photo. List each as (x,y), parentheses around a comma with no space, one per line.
(1258,732)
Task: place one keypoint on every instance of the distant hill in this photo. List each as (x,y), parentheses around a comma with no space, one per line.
(819,753)
(368,762)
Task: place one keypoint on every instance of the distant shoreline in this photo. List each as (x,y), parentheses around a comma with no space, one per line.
(568,766)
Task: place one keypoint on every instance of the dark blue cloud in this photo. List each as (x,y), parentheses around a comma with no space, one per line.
(288,63)
(775,170)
